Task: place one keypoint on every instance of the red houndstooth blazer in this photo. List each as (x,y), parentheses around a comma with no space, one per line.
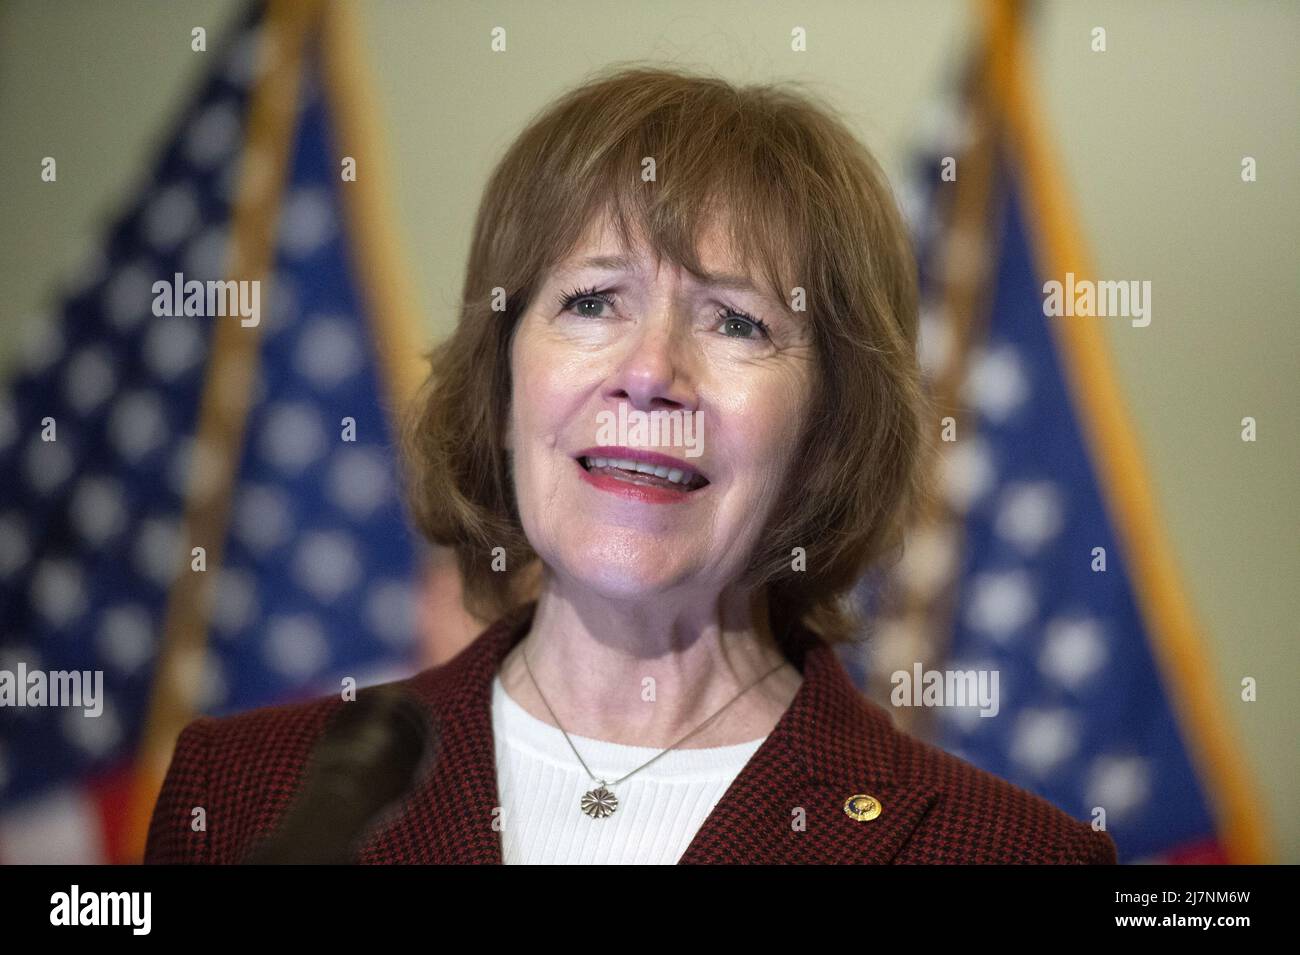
(831,744)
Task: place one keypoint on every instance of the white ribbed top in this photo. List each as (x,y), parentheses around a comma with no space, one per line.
(541,784)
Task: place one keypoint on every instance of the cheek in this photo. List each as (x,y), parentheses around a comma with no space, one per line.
(760,425)
(545,402)
(534,391)
(546,405)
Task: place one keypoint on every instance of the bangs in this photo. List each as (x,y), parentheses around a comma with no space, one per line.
(718,161)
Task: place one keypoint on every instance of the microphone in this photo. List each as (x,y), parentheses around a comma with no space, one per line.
(366,759)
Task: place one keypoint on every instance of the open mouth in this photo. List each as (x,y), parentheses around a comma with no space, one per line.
(674,478)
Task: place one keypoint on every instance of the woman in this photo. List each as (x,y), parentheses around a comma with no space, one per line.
(678,419)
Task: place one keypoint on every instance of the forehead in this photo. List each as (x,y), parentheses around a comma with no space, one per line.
(602,246)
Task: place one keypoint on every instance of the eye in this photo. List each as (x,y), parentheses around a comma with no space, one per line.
(588,302)
(747,326)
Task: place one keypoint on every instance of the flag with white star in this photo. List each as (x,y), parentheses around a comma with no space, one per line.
(1039,557)
(105,449)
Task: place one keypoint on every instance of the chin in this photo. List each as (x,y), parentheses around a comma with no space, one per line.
(621,568)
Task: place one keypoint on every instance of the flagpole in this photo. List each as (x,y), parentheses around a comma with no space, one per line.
(1130,501)
(228,385)
(926,617)
(381,267)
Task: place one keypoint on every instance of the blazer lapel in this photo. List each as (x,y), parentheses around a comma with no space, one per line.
(788,803)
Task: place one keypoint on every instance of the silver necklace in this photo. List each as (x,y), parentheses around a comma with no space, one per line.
(601,801)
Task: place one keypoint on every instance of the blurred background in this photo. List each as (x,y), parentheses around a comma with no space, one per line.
(336,153)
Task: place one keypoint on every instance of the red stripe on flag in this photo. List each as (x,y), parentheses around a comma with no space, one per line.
(111,793)
(1205,852)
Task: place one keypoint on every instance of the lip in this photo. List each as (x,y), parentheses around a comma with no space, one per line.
(642,455)
(637,492)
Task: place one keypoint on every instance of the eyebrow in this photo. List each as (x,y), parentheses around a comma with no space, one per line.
(620,263)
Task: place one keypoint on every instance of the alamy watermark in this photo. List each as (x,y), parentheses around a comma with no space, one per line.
(1088,299)
(651,429)
(212,299)
(75,907)
(961,688)
(63,688)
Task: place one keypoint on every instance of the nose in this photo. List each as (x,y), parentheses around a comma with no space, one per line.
(654,374)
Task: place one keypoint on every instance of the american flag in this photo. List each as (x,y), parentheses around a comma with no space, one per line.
(317,578)
(1100,705)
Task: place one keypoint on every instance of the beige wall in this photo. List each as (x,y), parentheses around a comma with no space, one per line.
(1151,132)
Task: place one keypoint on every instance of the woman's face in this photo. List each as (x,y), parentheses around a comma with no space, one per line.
(713,377)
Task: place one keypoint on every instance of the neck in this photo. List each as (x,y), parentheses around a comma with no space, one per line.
(646,673)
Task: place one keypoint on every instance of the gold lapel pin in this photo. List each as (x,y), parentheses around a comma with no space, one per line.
(862,807)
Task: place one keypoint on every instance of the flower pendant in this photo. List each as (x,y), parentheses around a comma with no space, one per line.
(599,802)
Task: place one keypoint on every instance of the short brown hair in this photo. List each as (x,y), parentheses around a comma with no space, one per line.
(807,206)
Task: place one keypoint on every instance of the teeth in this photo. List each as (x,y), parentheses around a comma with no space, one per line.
(676,475)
